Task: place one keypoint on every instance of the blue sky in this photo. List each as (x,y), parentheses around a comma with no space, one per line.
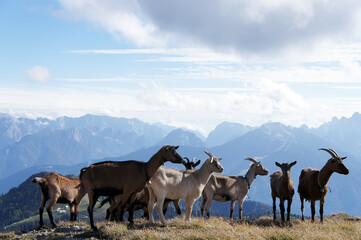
(184,63)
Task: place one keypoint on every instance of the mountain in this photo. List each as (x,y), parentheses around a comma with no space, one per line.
(17,178)
(21,202)
(343,132)
(275,142)
(14,129)
(183,138)
(68,141)
(225,132)
(68,144)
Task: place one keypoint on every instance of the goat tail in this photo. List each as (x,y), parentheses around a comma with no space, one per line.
(82,172)
(105,201)
(39,180)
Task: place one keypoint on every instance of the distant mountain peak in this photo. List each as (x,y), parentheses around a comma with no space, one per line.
(225,132)
(183,138)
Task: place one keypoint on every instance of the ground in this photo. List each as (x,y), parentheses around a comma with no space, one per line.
(340,226)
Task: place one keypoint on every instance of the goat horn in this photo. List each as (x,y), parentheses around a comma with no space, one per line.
(334,152)
(194,159)
(186,159)
(208,153)
(330,151)
(250,159)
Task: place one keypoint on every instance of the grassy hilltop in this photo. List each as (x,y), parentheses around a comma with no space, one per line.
(340,226)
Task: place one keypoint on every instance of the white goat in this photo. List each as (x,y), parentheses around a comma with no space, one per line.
(222,188)
(174,184)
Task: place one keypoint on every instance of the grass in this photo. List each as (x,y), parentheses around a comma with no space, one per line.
(340,226)
(336,227)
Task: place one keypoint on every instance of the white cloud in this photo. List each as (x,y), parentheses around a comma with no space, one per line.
(38,74)
(254,27)
(119,18)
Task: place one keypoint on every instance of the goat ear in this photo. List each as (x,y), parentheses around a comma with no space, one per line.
(343,158)
(293,163)
(197,163)
(220,159)
(277,164)
(176,147)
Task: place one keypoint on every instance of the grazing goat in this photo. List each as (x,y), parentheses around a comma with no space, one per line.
(142,198)
(125,178)
(222,188)
(282,187)
(59,189)
(175,184)
(313,182)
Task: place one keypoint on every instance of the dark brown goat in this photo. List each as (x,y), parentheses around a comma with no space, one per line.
(59,189)
(282,187)
(125,178)
(142,198)
(313,182)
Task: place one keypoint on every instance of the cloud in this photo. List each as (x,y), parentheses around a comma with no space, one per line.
(38,74)
(242,26)
(120,18)
(255,26)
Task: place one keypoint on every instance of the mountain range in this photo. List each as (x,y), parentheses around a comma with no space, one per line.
(65,145)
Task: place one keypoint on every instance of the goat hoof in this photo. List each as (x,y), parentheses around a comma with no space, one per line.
(94,228)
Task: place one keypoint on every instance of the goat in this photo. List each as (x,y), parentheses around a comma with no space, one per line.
(175,184)
(222,188)
(313,182)
(125,178)
(282,187)
(59,189)
(142,198)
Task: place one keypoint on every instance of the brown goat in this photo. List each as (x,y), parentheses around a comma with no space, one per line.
(142,198)
(59,189)
(282,187)
(313,182)
(125,178)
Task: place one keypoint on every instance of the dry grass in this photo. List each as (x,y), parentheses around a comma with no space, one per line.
(340,226)
(217,228)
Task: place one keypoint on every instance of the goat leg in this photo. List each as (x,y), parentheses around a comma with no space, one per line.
(232,208)
(282,207)
(131,201)
(159,207)
(92,200)
(240,207)
(302,208)
(41,223)
(151,205)
(289,202)
(165,205)
(322,202)
(204,200)
(313,211)
(49,209)
(189,207)
(177,208)
(274,207)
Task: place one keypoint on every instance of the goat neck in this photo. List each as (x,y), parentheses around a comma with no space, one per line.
(251,175)
(204,172)
(324,175)
(153,164)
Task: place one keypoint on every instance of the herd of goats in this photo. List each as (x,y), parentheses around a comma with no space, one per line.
(133,185)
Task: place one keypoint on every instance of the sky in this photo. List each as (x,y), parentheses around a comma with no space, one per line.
(192,64)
